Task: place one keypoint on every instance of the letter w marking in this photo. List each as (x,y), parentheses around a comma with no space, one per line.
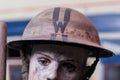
(58,24)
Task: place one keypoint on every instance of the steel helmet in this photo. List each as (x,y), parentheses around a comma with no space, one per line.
(62,26)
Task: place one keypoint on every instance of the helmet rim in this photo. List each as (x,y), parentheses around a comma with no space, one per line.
(18,45)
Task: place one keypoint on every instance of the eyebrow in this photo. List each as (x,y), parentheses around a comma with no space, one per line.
(71,60)
(42,53)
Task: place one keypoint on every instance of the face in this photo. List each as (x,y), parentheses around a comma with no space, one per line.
(57,63)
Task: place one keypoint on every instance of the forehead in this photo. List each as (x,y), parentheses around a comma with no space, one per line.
(60,51)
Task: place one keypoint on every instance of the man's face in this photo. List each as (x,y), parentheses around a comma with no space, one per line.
(57,63)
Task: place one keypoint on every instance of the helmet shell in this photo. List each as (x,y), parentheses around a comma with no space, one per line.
(62,26)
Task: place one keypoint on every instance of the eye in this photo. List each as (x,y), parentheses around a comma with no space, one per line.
(44,61)
(69,67)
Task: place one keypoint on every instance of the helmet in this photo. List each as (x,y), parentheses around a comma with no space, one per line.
(62,26)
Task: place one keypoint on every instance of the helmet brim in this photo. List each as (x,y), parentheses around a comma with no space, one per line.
(102,52)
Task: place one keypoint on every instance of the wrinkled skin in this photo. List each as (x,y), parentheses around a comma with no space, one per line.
(57,63)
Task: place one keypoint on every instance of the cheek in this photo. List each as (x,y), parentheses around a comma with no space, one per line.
(69,76)
(36,71)
(39,72)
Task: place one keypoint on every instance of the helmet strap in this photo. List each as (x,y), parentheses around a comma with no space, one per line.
(90,69)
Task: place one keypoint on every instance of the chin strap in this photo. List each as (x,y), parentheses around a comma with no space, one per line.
(91,69)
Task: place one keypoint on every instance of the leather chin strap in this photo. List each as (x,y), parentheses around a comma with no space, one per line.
(90,70)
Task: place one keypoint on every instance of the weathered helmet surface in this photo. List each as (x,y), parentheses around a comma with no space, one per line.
(61,26)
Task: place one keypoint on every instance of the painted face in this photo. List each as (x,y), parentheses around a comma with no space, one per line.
(57,63)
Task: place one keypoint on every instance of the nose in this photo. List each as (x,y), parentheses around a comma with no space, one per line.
(52,76)
(53,72)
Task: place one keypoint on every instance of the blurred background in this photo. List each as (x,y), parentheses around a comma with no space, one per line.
(105,15)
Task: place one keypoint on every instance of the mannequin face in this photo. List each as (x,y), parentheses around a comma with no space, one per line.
(57,63)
